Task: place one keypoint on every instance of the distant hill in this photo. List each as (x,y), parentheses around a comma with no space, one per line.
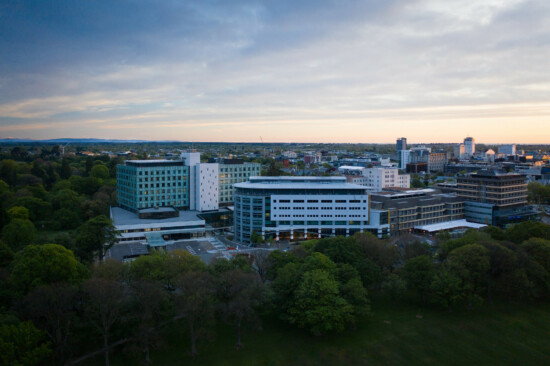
(82,141)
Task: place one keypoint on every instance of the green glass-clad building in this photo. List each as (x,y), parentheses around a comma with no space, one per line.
(153,183)
(234,171)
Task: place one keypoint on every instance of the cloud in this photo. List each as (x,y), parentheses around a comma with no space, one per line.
(229,66)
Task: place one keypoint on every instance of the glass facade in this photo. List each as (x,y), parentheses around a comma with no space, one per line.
(145,184)
(234,173)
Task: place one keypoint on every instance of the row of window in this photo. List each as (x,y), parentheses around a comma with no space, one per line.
(322,201)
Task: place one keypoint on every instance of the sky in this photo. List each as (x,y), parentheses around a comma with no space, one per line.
(278,71)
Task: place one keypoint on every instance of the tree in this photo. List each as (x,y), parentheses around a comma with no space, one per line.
(262,263)
(495,232)
(274,170)
(52,308)
(415,249)
(394,285)
(105,301)
(239,294)
(38,208)
(37,170)
(99,171)
(352,289)
(527,230)
(18,212)
(255,238)
(165,267)
(89,164)
(195,301)
(6,255)
(471,263)
(151,304)
(539,251)
(67,199)
(340,249)
(22,345)
(381,252)
(65,172)
(240,262)
(8,171)
(318,305)
(278,259)
(417,183)
(447,288)
(66,219)
(419,273)
(38,265)
(95,237)
(19,233)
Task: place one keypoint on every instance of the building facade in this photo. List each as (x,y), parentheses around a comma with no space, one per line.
(377,178)
(293,208)
(152,183)
(469,146)
(507,149)
(495,198)
(401,144)
(415,208)
(234,171)
(459,151)
(184,184)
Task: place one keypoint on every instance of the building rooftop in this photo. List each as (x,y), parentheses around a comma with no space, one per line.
(298,183)
(153,161)
(122,217)
(448,225)
(350,167)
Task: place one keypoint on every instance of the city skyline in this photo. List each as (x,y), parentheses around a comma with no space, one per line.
(246,71)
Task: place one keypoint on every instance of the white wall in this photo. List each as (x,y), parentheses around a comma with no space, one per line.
(206,186)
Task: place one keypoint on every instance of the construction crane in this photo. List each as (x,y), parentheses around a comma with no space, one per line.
(63,149)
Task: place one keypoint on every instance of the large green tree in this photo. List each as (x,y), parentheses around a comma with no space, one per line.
(38,265)
(239,294)
(471,263)
(419,273)
(22,345)
(19,233)
(318,305)
(95,237)
(195,302)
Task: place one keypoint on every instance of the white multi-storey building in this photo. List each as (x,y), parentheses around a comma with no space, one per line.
(293,208)
(377,178)
(203,183)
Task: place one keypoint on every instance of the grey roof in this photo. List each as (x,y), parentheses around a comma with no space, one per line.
(120,252)
(121,217)
(157,209)
(294,182)
(152,161)
(297,185)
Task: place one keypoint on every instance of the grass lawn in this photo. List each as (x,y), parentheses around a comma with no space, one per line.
(394,335)
(49,236)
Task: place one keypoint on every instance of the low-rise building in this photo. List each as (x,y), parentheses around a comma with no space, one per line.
(409,209)
(156,227)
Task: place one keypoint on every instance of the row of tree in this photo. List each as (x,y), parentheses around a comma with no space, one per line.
(53,302)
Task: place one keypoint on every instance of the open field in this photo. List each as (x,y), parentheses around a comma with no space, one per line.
(394,335)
